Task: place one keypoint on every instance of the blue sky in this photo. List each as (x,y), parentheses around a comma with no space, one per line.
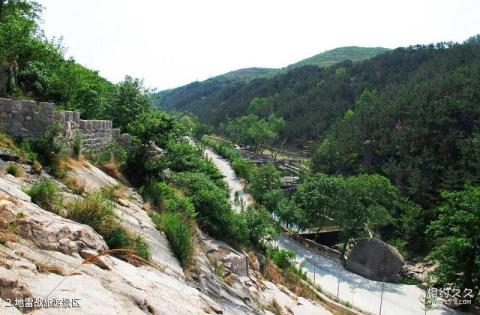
(171,43)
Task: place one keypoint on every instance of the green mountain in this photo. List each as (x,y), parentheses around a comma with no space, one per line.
(331,57)
(193,93)
(248,73)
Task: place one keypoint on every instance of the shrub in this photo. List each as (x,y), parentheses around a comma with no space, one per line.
(142,248)
(96,210)
(112,169)
(281,257)
(46,194)
(7,143)
(12,169)
(26,147)
(111,153)
(260,226)
(214,212)
(243,168)
(166,198)
(178,233)
(51,150)
(223,147)
(77,146)
(113,192)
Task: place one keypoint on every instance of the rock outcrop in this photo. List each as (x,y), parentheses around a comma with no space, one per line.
(376,260)
(46,256)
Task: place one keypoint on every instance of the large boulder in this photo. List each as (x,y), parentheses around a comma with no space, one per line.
(375,260)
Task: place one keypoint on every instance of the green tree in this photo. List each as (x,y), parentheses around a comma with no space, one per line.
(260,226)
(365,202)
(457,229)
(264,179)
(154,125)
(255,132)
(261,106)
(319,197)
(18,28)
(129,100)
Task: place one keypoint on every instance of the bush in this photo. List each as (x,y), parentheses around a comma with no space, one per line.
(121,238)
(96,210)
(281,257)
(260,225)
(51,150)
(224,148)
(165,198)
(111,153)
(214,212)
(142,248)
(243,168)
(12,169)
(46,194)
(77,146)
(178,233)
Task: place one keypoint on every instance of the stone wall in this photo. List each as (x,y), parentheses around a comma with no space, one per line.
(27,119)
(30,119)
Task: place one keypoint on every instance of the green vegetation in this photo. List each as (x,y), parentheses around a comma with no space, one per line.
(77,146)
(337,55)
(51,150)
(178,232)
(392,133)
(281,257)
(96,210)
(457,230)
(12,169)
(214,213)
(260,226)
(254,131)
(46,194)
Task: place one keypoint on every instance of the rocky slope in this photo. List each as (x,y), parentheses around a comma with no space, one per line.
(45,258)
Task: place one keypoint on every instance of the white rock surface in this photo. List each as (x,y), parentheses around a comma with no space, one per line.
(93,177)
(290,302)
(46,259)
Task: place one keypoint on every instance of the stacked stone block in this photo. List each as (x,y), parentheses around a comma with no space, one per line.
(29,119)
(26,119)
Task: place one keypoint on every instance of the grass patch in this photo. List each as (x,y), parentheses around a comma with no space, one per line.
(14,169)
(114,192)
(44,267)
(274,307)
(77,186)
(96,210)
(112,169)
(46,194)
(7,143)
(280,268)
(178,232)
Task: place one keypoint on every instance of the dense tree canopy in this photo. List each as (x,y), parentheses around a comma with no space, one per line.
(458,230)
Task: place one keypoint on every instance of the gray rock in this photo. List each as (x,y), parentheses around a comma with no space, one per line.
(375,260)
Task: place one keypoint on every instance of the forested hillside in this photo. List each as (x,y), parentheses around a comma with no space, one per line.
(211,96)
(309,98)
(422,133)
(336,55)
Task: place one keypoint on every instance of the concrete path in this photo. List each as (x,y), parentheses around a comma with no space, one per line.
(362,293)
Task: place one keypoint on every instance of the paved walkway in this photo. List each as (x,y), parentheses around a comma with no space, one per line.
(398,299)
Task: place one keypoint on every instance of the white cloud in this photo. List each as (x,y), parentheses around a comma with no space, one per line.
(170,43)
